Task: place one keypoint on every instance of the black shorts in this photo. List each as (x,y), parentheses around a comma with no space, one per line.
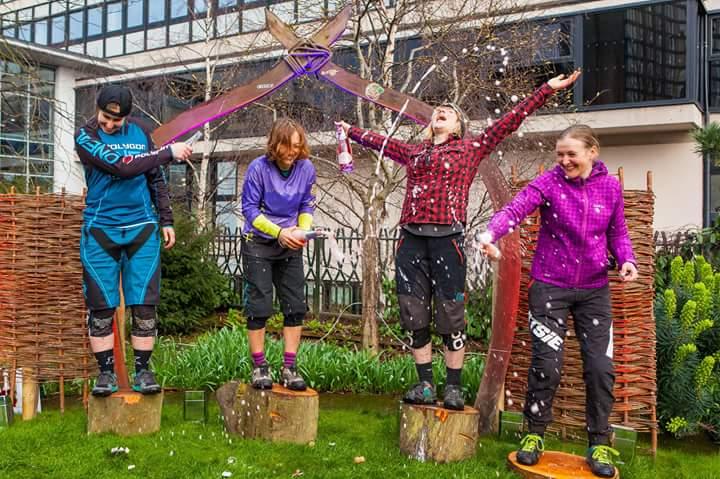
(266,263)
(430,277)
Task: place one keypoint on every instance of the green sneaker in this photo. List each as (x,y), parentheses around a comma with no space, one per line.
(599,458)
(145,383)
(531,449)
(105,384)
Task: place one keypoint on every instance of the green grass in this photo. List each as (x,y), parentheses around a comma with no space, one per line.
(55,446)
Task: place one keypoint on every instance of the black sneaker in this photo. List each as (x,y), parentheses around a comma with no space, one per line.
(453,398)
(421,393)
(145,383)
(531,449)
(292,380)
(261,378)
(599,458)
(105,384)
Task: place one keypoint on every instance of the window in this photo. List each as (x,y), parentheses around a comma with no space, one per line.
(227,3)
(25,32)
(76,25)
(635,54)
(156,38)
(200,6)
(178,8)
(26,130)
(94,21)
(114,17)
(714,64)
(135,13)
(156,11)
(41,32)
(58,29)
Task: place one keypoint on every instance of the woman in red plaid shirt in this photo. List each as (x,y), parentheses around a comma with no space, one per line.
(430,261)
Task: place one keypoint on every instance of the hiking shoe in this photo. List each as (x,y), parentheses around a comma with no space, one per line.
(292,380)
(599,458)
(453,398)
(421,393)
(531,449)
(145,383)
(105,384)
(261,377)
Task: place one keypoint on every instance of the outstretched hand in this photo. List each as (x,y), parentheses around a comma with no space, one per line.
(560,82)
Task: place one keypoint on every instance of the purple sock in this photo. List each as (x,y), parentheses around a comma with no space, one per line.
(289,359)
(258,358)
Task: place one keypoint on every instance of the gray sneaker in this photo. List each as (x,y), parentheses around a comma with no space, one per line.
(421,393)
(105,384)
(261,378)
(145,383)
(292,380)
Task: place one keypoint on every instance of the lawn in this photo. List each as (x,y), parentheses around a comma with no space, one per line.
(56,446)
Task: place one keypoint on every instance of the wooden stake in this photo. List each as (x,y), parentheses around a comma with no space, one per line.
(30,394)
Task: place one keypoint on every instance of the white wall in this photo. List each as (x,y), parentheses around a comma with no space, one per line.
(677,179)
(68,170)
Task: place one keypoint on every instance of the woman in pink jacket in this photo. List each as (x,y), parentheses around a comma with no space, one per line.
(582,217)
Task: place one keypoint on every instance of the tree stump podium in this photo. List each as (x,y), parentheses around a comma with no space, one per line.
(555,465)
(125,413)
(278,415)
(438,434)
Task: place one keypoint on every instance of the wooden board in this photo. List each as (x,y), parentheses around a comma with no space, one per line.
(126,413)
(555,465)
(437,434)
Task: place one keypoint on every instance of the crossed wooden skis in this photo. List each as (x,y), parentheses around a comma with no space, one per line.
(312,56)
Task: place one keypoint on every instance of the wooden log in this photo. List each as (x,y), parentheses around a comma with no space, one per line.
(278,415)
(125,413)
(228,397)
(438,434)
(29,394)
(555,465)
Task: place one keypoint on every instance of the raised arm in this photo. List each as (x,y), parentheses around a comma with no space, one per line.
(394,149)
(511,121)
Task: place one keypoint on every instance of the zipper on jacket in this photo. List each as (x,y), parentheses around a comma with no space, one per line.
(584,230)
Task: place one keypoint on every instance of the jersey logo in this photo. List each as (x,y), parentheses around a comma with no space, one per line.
(97,148)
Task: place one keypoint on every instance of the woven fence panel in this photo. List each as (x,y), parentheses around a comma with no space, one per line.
(42,309)
(633,336)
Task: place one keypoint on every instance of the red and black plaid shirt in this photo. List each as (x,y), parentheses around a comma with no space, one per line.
(439,176)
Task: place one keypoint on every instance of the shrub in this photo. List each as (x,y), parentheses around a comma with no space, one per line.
(192,284)
(688,349)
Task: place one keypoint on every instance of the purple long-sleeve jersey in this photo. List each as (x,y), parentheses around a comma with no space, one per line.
(580,221)
(266,191)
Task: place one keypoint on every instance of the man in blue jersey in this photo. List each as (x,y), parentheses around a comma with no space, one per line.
(278,204)
(127,207)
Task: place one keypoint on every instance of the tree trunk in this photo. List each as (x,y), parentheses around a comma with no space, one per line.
(554,465)
(278,415)
(125,414)
(438,434)
(370,284)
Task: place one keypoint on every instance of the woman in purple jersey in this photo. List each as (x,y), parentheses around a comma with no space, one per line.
(582,217)
(278,204)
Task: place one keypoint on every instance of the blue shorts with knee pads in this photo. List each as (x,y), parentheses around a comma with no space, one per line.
(108,251)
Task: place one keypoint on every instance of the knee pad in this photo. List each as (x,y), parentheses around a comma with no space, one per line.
(419,337)
(455,341)
(254,323)
(100,322)
(144,321)
(292,320)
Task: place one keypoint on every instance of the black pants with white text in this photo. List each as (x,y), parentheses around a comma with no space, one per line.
(549,308)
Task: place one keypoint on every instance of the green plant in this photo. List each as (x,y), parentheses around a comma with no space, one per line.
(707,141)
(688,348)
(219,356)
(192,284)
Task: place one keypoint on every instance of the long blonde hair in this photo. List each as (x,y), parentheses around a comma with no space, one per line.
(581,133)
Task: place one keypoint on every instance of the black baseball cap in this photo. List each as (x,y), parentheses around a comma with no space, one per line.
(115,100)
